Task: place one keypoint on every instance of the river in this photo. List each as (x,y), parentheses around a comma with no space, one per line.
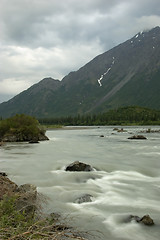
(125,180)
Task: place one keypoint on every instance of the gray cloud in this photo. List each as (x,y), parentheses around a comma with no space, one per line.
(42,38)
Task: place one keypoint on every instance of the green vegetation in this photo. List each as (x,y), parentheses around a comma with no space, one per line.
(12,222)
(15,225)
(132,115)
(20,128)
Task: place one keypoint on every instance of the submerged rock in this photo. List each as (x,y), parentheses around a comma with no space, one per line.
(149,130)
(137,137)
(101,135)
(121,130)
(115,129)
(134,218)
(84,198)
(146,220)
(79,166)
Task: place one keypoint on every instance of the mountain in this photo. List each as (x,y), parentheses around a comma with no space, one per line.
(128,74)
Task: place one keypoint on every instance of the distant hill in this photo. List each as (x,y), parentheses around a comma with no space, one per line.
(128,74)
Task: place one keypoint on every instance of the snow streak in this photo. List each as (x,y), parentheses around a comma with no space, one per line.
(102,76)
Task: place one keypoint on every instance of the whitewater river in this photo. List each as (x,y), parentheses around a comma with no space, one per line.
(126,179)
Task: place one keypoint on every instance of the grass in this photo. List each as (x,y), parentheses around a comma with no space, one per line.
(15,225)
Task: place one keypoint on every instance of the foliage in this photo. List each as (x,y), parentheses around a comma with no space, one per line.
(12,222)
(15,225)
(132,115)
(22,126)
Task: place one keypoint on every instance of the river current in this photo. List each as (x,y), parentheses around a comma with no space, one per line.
(125,180)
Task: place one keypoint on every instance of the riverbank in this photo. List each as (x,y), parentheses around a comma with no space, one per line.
(69,127)
(21,216)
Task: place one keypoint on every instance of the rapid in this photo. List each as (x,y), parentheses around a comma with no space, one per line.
(125,180)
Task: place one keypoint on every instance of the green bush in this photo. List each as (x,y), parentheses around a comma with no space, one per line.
(22,126)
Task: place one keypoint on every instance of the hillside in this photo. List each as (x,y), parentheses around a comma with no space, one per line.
(128,74)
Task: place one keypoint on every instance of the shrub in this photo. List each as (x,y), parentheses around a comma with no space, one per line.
(23,127)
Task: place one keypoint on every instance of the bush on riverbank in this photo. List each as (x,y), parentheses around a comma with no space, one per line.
(21,128)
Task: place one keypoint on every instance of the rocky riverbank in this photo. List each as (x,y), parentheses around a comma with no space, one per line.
(20,217)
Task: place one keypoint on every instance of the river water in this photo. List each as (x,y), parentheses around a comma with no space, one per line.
(126,179)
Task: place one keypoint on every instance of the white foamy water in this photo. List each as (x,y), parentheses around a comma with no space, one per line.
(126,179)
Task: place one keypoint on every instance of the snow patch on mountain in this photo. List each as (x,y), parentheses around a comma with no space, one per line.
(102,76)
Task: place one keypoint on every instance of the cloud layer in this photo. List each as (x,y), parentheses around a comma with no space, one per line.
(41,38)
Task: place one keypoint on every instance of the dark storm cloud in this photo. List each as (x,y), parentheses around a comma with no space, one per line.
(49,23)
(42,38)
(33,23)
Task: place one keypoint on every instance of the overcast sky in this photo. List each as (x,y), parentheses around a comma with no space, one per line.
(42,38)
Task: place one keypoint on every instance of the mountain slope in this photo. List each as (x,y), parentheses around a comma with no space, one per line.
(128,74)
(32,101)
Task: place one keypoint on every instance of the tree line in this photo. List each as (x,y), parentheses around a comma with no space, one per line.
(121,116)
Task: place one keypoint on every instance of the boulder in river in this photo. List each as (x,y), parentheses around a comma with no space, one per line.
(101,135)
(137,137)
(78,167)
(146,220)
(84,198)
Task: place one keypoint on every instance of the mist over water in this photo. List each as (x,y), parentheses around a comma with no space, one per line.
(126,179)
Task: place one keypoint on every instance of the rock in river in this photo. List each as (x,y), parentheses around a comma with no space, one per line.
(146,220)
(84,198)
(137,137)
(79,166)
